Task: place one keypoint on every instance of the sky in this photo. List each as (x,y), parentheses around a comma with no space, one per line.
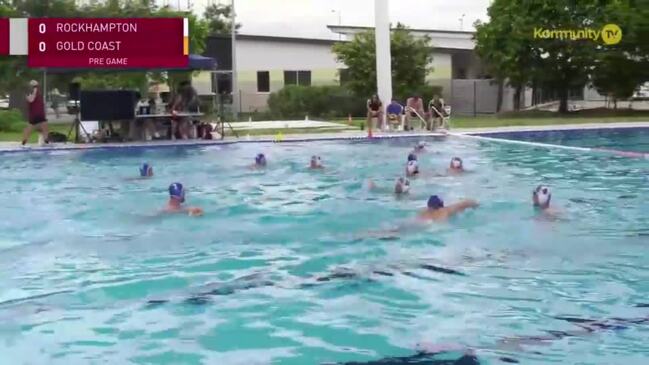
(309,18)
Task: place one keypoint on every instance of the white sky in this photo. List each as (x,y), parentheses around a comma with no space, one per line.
(308,18)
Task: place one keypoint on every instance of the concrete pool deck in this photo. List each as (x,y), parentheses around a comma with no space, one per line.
(9,147)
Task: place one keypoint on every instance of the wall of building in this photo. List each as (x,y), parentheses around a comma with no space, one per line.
(281,54)
(277,57)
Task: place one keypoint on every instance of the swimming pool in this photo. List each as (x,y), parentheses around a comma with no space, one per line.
(281,270)
(634,139)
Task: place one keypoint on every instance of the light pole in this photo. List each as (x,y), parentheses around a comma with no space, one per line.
(462,21)
(339,21)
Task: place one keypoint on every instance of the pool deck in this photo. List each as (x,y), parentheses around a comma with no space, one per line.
(9,147)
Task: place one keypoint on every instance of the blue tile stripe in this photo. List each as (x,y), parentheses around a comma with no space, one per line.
(140,146)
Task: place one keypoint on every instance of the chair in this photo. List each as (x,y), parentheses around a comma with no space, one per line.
(422,120)
(444,114)
(395,123)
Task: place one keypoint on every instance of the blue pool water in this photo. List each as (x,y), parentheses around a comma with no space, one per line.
(624,139)
(281,268)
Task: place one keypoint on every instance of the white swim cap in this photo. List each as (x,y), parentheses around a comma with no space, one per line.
(316,161)
(456,162)
(542,195)
(412,167)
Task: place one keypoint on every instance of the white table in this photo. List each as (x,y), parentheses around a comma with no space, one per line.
(163,116)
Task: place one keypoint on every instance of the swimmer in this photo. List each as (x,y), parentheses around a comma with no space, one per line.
(316,163)
(176,198)
(412,168)
(456,166)
(146,170)
(260,161)
(412,157)
(420,147)
(541,197)
(437,211)
(402,186)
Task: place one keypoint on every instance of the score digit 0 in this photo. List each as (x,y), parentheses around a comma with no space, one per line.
(41,28)
(41,46)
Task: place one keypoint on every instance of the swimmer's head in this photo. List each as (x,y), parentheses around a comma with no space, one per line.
(412,168)
(401,186)
(316,162)
(412,157)
(420,146)
(146,170)
(456,163)
(260,159)
(177,192)
(541,196)
(435,202)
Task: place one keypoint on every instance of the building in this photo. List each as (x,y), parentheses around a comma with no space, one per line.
(266,64)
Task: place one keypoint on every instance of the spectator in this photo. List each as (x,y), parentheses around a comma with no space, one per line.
(394,111)
(185,100)
(36,113)
(436,108)
(415,109)
(375,110)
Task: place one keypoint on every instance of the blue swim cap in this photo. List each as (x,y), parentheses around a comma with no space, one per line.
(412,157)
(177,191)
(146,170)
(260,159)
(435,202)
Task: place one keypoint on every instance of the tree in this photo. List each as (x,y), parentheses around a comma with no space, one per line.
(508,45)
(219,18)
(619,69)
(410,57)
(505,49)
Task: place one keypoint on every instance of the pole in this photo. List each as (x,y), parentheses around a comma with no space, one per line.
(235,86)
(474,97)
(383,60)
(340,21)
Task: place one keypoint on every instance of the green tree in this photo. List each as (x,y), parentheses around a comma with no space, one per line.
(410,57)
(219,18)
(505,48)
(508,45)
(619,69)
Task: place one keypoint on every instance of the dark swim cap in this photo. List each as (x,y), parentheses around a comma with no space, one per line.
(412,157)
(435,202)
(146,170)
(177,191)
(260,159)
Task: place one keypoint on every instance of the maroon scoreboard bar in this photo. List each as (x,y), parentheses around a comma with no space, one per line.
(108,43)
(4,36)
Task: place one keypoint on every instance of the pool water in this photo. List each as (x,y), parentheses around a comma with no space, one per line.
(623,139)
(283,269)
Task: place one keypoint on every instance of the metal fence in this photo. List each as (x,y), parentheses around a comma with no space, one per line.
(474,96)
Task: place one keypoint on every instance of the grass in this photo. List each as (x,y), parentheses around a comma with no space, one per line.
(496,121)
(508,119)
(16,136)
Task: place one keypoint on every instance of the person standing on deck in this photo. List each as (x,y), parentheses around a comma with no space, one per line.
(36,113)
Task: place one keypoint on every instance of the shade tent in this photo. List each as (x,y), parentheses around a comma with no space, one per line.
(196,63)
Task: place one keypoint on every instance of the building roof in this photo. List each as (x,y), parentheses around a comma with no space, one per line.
(449,39)
(272,38)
